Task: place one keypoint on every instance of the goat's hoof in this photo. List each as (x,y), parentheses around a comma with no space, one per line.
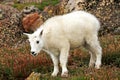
(91,65)
(64,75)
(97,67)
(54,74)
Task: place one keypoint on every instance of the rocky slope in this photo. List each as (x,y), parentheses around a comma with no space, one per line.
(11,28)
(107,11)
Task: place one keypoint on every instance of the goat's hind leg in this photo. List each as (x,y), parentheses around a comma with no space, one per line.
(98,57)
(92,59)
(92,56)
(96,50)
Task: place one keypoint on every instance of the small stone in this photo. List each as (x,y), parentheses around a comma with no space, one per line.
(1,16)
(0,11)
(30,9)
(18,1)
(117,31)
(26,11)
(34,76)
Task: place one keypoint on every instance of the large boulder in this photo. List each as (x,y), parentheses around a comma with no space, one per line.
(10,26)
(33,17)
(31,22)
(107,11)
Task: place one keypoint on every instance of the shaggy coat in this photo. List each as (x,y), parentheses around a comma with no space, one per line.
(61,33)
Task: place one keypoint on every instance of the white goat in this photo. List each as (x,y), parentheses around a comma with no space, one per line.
(61,33)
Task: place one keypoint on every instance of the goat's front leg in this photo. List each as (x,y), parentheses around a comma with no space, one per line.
(63,61)
(56,67)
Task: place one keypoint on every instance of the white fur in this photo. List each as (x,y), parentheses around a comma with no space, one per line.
(61,33)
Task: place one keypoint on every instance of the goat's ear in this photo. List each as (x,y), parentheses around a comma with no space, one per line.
(26,34)
(41,33)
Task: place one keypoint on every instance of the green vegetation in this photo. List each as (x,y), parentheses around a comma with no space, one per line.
(38,5)
(17,64)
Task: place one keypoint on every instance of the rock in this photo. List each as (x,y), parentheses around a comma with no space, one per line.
(54,10)
(34,76)
(0,24)
(10,3)
(30,9)
(33,18)
(1,14)
(117,31)
(29,1)
(106,11)
(31,22)
(10,26)
(0,11)
(11,19)
(18,1)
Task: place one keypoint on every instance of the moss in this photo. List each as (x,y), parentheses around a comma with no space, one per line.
(38,5)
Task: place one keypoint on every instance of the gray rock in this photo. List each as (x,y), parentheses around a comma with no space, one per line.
(1,14)
(106,11)
(11,30)
(0,10)
(30,9)
(117,31)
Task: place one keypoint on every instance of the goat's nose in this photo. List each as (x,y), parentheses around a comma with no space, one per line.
(33,53)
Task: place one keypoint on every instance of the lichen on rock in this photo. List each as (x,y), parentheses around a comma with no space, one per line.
(10,26)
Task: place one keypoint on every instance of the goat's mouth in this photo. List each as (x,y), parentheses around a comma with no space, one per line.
(34,54)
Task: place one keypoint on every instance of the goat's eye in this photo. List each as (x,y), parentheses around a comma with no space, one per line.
(37,42)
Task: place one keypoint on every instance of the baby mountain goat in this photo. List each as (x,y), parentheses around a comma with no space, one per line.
(61,33)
